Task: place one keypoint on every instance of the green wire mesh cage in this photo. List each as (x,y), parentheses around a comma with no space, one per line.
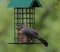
(26,15)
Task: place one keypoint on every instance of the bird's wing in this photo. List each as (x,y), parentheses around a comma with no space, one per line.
(34,31)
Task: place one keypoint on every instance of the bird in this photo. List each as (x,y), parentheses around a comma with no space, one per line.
(31,33)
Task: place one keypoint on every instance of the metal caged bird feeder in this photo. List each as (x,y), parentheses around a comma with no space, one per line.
(24,12)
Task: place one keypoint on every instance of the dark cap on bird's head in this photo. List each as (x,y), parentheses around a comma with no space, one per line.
(19,26)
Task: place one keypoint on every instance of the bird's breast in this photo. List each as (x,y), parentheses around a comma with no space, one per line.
(27,32)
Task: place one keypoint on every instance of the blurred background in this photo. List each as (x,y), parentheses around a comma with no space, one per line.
(47,24)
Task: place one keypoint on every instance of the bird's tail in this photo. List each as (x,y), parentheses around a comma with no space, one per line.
(43,41)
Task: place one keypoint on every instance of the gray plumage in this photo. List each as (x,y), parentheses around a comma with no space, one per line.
(32,33)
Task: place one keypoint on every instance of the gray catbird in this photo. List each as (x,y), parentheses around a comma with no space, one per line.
(32,33)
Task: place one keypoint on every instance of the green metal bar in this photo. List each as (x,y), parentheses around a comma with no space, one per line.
(33,20)
(14,25)
(26,15)
(25,18)
(30,16)
(17,22)
(22,15)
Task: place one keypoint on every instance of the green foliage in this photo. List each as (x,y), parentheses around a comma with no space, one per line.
(47,24)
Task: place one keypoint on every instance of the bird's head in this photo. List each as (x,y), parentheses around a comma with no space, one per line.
(20,26)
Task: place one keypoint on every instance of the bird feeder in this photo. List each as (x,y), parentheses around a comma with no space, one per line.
(24,12)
